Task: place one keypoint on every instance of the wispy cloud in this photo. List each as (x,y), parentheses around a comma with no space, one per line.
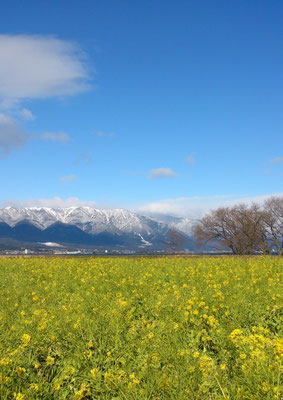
(8,104)
(276,160)
(195,207)
(35,67)
(83,158)
(26,114)
(68,179)
(105,134)
(60,137)
(190,159)
(11,135)
(54,202)
(162,173)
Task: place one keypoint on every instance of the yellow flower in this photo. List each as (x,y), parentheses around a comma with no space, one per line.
(5,361)
(79,395)
(6,379)
(278,347)
(19,396)
(108,377)
(134,379)
(276,390)
(20,371)
(50,360)
(206,365)
(95,373)
(246,367)
(57,386)
(212,321)
(26,339)
(34,387)
(69,370)
(265,387)
(236,336)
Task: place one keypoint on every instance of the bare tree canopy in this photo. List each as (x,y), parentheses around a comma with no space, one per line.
(244,229)
(176,241)
(274,222)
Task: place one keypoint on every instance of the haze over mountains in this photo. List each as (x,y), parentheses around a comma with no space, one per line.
(86,226)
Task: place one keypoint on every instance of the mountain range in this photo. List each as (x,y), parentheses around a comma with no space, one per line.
(85,226)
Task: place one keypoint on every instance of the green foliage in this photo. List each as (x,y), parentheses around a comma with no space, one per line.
(140,328)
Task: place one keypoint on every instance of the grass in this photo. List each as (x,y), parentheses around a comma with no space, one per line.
(141,328)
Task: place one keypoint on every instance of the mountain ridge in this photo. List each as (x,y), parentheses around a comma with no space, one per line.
(117,226)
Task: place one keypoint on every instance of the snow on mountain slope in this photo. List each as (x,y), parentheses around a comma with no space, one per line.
(40,217)
(185,225)
(88,219)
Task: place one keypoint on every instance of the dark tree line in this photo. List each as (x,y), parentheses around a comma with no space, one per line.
(244,229)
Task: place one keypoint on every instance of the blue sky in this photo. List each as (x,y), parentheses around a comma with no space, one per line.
(155,106)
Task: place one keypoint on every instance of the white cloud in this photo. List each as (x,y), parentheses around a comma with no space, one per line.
(8,104)
(195,207)
(190,159)
(54,202)
(26,114)
(39,67)
(104,134)
(68,179)
(11,135)
(162,173)
(35,67)
(60,137)
(192,207)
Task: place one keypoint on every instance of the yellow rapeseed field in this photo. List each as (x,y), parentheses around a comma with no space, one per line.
(141,328)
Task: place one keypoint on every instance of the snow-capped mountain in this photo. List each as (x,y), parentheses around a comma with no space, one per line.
(88,219)
(85,225)
(185,225)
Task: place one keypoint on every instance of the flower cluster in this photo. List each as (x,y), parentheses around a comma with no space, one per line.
(139,328)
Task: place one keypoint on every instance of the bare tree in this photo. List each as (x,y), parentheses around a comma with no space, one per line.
(273,208)
(251,233)
(240,228)
(217,227)
(176,241)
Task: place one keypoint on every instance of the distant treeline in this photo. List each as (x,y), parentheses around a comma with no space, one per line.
(244,229)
